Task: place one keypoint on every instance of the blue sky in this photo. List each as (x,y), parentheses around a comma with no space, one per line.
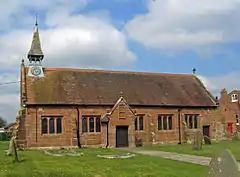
(223,58)
(172,36)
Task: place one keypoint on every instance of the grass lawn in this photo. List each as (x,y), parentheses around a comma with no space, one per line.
(37,164)
(208,150)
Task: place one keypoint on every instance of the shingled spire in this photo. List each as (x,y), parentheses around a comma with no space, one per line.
(35,53)
(35,56)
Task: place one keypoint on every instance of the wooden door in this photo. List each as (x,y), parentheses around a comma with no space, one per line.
(122,136)
(206,130)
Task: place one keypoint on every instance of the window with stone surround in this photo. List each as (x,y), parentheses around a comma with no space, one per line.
(191,121)
(165,121)
(139,122)
(91,123)
(51,125)
(234,97)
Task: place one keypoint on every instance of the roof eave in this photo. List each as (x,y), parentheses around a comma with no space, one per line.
(108,104)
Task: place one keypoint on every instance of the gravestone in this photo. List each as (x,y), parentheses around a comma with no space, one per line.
(197,140)
(207,140)
(224,165)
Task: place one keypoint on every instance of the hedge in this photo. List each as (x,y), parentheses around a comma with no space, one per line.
(5,136)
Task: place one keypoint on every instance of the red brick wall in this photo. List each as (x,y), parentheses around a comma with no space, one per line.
(68,137)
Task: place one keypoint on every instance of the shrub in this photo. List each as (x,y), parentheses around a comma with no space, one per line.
(5,136)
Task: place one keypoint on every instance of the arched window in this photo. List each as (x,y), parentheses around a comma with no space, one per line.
(91,124)
(51,125)
(44,126)
(59,125)
(84,125)
(98,124)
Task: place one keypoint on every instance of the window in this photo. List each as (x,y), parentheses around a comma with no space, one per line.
(234,97)
(136,123)
(237,121)
(91,124)
(84,125)
(44,126)
(98,124)
(195,121)
(49,126)
(191,121)
(170,122)
(139,122)
(159,122)
(165,122)
(59,125)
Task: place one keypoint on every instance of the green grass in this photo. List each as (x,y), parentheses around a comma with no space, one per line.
(208,150)
(37,164)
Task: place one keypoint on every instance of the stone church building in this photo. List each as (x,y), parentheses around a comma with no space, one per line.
(66,107)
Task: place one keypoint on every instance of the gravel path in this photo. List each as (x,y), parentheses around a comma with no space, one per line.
(174,156)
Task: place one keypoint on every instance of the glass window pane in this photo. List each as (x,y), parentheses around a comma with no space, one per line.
(141,123)
(136,123)
(59,125)
(195,121)
(98,124)
(170,122)
(84,125)
(186,120)
(51,125)
(159,122)
(190,122)
(44,126)
(91,124)
(165,122)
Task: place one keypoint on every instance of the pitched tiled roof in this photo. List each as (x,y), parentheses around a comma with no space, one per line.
(9,125)
(88,87)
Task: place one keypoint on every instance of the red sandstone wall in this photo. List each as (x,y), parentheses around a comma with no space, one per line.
(68,137)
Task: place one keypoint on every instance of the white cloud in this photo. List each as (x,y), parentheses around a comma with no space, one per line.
(217,83)
(68,40)
(75,41)
(181,24)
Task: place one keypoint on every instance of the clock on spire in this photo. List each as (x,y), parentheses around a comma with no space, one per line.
(35,55)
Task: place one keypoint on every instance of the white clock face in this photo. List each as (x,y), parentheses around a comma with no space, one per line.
(35,71)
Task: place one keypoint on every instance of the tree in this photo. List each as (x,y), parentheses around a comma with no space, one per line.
(3,122)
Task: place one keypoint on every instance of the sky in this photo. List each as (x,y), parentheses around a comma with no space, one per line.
(165,36)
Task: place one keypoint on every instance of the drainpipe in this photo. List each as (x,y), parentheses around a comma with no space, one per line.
(179,127)
(78,133)
(107,134)
(36,123)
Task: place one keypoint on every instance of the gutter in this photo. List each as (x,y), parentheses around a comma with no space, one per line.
(131,105)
